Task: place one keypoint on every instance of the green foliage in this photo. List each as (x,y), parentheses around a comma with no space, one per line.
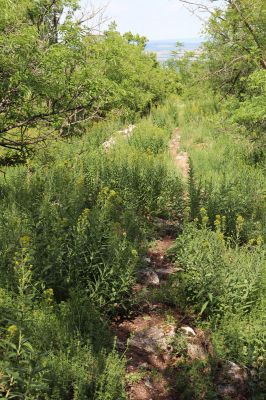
(56,74)
(251,112)
(194,381)
(75,221)
(150,138)
(216,278)
(222,179)
(226,287)
(110,384)
(237,44)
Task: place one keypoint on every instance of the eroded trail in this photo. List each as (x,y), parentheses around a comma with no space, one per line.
(147,338)
(149,335)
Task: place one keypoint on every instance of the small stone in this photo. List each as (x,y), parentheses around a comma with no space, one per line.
(144,365)
(166,272)
(154,339)
(109,143)
(149,277)
(148,383)
(188,331)
(196,351)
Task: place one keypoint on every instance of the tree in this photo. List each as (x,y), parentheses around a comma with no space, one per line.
(43,80)
(236,45)
(56,73)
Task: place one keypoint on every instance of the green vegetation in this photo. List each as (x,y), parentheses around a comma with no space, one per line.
(57,76)
(75,222)
(77,217)
(222,246)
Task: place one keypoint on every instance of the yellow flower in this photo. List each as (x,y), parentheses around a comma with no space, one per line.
(49,295)
(24,240)
(134,253)
(49,292)
(203,211)
(205,220)
(239,224)
(251,242)
(240,220)
(218,223)
(112,193)
(12,330)
(259,241)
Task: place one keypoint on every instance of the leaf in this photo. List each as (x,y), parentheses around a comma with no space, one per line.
(203,308)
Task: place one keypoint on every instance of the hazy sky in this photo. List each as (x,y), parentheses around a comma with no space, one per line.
(156,19)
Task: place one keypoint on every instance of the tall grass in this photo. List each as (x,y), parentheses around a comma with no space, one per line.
(222,246)
(74,223)
(223,181)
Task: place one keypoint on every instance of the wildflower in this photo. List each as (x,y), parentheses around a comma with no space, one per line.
(187,213)
(86,212)
(49,292)
(112,193)
(223,223)
(12,330)
(134,253)
(251,242)
(204,216)
(239,224)
(105,190)
(24,241)
(217,222)
(203,211)
(259,241)
(49,295)
(205,220)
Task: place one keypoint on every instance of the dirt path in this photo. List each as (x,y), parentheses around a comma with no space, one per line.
(147,338)
(180,158)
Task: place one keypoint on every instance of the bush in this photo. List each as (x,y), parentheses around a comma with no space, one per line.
(218,279)
(74,225)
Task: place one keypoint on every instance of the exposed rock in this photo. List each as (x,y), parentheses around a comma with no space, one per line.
(226,390)
(127,132)
(154,339)
(196,351)
(164,273)
(147,382)
(120,345)
(147,259)
(149,277)
(144,365)
(109,144)
(232,381)
(188,331)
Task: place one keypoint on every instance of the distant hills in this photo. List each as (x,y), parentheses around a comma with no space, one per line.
(164,48)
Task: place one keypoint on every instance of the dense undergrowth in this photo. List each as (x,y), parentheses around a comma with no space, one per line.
(75,222)
(222,248)
(76,218)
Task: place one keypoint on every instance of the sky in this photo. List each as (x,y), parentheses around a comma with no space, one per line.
(155,19)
